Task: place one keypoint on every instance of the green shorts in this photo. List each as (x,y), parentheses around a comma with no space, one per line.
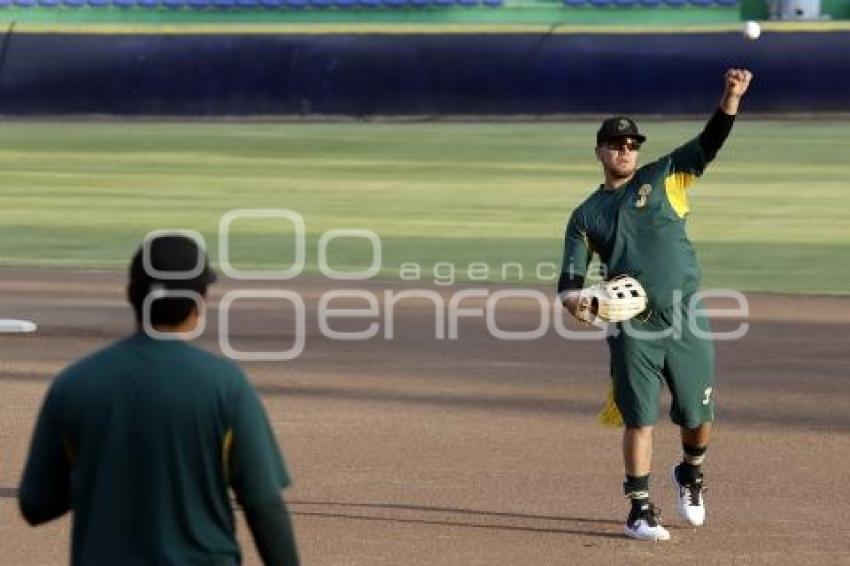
(666,346)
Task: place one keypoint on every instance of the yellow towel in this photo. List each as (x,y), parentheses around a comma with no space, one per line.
(610,414)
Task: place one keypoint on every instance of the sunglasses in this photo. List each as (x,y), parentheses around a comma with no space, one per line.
(623,144)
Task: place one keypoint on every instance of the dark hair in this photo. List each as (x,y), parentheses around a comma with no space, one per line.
(168,253)
(168,310)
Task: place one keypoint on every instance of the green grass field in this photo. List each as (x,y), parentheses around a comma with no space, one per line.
(772,213)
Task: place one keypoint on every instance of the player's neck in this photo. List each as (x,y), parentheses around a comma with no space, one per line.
(185,327)
(613,183)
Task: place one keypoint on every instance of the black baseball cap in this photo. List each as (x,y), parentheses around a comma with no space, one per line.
(173,261)
(618,127)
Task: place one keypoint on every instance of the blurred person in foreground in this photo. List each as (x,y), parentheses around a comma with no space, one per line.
(143,439)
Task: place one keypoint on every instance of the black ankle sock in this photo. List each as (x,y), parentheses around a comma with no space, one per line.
(689,470)
(688,473)
(636,487)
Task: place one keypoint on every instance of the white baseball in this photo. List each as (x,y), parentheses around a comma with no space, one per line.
(752,30)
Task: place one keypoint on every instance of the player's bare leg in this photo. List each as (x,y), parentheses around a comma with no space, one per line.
(696,436)
(643,523)
(687,476)
(637,450)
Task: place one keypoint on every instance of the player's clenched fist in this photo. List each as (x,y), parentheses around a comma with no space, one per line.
(737,81)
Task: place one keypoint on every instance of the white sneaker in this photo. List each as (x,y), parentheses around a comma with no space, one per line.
(644,523)
(690,503)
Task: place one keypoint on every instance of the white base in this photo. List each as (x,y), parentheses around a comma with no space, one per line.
(13,326)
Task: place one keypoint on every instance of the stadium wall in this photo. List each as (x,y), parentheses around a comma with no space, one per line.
(429,74)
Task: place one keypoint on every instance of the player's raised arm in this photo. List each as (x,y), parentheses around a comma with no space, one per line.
(688,161)
(718,127)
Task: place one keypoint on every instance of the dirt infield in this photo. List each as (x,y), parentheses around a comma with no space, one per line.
(418,450)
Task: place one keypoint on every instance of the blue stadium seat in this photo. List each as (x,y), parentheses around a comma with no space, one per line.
(701,3)
(294,4)
(369,3)
(73,3)
(444,3)
(48,3)
(574,3)
(345,4)
(198,4)
(247,3)
(24,3)
(174,4)
(395,3)
(676,3)
(727,2)
(601,3)
(468,3)
(5,3)
(98,3)
(224,4)
(147,3)
(419,3)
(650,3)
(626,3)
(321,3)
(124,3)
(493,3)
(274,4)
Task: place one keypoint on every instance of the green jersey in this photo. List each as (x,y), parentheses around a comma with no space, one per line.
(639,228)
(143,440)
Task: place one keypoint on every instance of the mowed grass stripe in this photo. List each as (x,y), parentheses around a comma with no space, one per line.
(770,212)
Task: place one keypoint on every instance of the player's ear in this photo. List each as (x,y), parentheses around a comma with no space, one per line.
(194,315)
(598,151)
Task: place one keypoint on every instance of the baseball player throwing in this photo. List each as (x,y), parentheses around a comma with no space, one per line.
(635,223)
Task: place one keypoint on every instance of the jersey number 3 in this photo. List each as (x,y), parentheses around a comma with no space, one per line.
(643,194)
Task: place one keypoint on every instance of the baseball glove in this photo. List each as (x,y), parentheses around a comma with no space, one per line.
(616,300)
